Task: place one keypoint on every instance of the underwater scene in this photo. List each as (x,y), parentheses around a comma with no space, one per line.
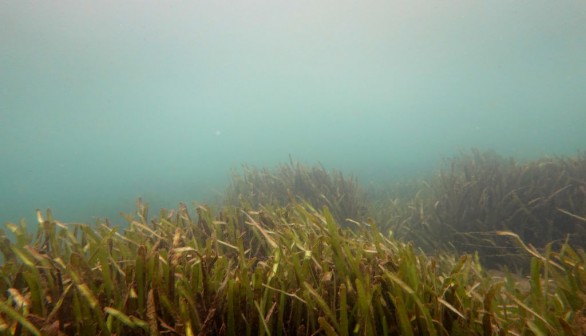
(309,167)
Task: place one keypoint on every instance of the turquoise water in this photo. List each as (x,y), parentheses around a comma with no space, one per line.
(104,102)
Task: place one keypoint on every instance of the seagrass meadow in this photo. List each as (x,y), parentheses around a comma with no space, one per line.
(300,250)
(293,167)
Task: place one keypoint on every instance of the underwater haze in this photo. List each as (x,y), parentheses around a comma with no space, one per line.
(102,102)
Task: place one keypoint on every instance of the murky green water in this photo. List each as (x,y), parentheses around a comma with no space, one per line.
(103,102)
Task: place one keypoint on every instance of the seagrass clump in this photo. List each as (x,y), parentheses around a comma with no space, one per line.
(256,187)
(542,201)
(280,271)
(479,193)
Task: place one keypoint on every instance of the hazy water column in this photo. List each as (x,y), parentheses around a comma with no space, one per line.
(104,102)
